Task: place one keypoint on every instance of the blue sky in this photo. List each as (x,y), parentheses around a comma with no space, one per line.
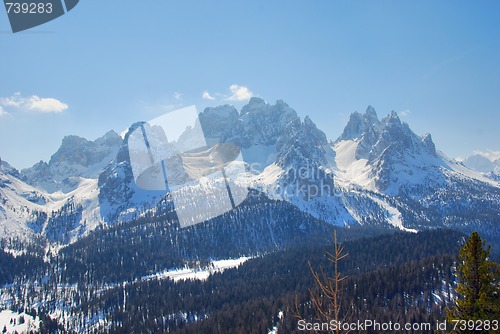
(107,64)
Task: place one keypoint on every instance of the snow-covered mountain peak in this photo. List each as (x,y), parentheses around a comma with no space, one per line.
(361,125)
(261,123)
(428,144)
(6,168)
(111,138)
(399,135)
(255,103)
(377,172)
(223,112)
(80,151)
(257,107)
(387,153)
(375,137)
(392,118)
(486,163)
(219,123)
(371,115)
(76,158)
(71,150)
(302,142)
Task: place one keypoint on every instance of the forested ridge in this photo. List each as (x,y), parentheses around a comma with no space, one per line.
(97,284)
(392,276)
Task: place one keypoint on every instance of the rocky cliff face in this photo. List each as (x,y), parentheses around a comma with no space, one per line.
(378,172)
(76,158)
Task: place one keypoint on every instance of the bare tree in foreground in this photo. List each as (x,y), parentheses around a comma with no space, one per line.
(326,296)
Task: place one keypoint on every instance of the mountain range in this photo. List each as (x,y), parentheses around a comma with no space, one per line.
(378,172)
(487,163)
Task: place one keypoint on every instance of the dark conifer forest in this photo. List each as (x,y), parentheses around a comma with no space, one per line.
(103,279)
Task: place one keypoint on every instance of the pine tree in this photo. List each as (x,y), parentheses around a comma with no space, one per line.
(479,283)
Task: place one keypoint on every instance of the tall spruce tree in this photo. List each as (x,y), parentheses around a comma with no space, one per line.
(479,283)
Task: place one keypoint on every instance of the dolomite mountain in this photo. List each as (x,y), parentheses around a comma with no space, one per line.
(378,172)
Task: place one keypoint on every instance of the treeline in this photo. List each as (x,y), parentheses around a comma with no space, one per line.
(150,244)
(398,276)
(474,208)
(411,293)
(23,265)
(97,280)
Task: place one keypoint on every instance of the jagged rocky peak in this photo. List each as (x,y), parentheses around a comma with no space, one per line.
(41,168)
(258,123)
(394,133)
(123,155)
(6,168)
(72,149)
(76,157)
(360,125)
(119,196)
(284,111)
(83,152)
(111,138)
(223,112)
(261,123)
(374,136)
(219,122)
(303,147)
(392,118)
(395,152)
(257,108)
(312,131)
(371,114)
(428,144)
(399,135)
(256,104)
(302,142)
(364,128)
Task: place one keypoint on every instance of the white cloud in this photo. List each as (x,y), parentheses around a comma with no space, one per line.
(239,93)
(490,154)
(47,105)
(3,112)
(14,101)
(177,95)
(206,96)
(34,103)
(405,112)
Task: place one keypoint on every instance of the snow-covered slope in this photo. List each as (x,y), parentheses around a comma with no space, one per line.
(423,187)
(20,323)
(377,172)
(26,210)
(387,156)
(16,202)
(77,157)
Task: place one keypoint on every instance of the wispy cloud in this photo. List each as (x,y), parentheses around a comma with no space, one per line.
(33,103)
(405,112)
(177,96)
(206,96)
(3,112)
(490,154)
(239,93)
(236,93)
